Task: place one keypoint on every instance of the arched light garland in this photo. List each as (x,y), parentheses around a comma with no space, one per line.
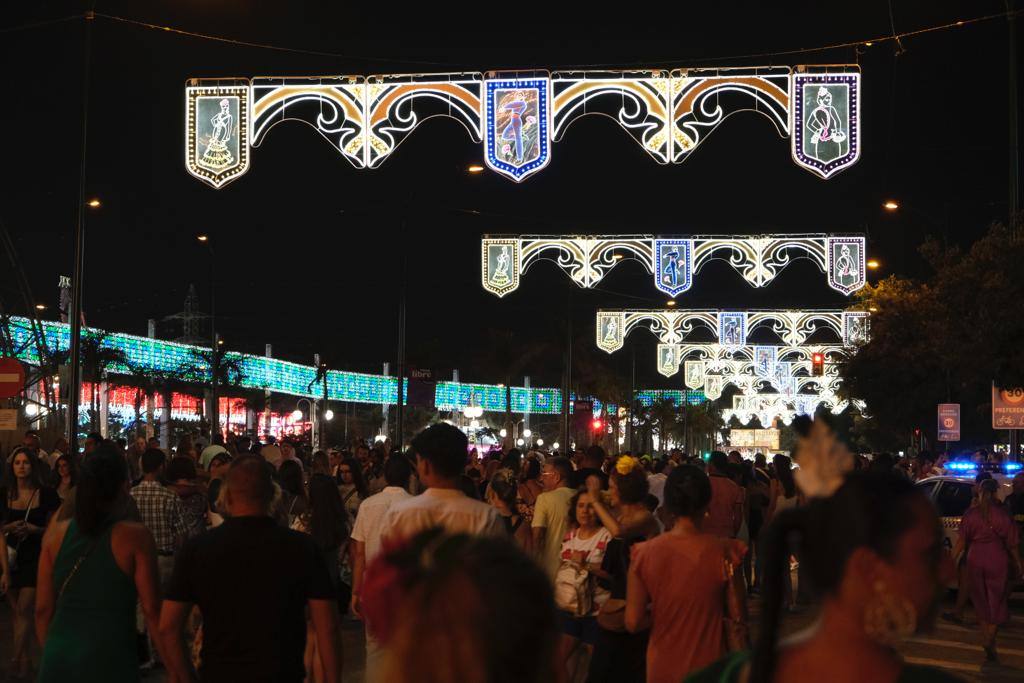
(673,260)
(516,115)
(731,328)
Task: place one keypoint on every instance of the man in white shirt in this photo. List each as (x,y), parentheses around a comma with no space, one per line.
(441,451)
(366,541)
(656,481)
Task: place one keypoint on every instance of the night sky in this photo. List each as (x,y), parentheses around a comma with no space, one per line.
(309,248)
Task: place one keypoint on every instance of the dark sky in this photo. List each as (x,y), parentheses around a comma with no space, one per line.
(309,248)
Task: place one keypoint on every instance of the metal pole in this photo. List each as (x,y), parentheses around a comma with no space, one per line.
(632,401)
(1014,194)
(215,357)
(399,411)
(567,376)
(76,281)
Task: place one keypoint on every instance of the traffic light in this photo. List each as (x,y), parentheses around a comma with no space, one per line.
(817,364)
(597,424)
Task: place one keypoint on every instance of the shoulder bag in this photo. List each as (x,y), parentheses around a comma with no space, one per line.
(12,551)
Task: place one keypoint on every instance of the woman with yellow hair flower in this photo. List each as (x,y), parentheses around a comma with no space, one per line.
(620,656)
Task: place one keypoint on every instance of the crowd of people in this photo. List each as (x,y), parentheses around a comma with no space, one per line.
(235,561)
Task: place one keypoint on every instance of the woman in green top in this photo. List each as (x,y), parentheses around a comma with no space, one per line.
(873,552)
(91,571)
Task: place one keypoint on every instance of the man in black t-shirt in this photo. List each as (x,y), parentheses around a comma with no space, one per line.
(590,466)
(252,581)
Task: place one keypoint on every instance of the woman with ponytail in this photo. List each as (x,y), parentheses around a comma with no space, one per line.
(872,552)
(990,537)
(686,585)
(92,570)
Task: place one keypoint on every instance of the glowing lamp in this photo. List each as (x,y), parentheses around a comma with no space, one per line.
(503,433)
(891,205)
(540,442)
(873,264)
(519,442)
(475,168)
(328,414)
(379,438)
(527,433)
(555,445)
(296,414)
(94,203)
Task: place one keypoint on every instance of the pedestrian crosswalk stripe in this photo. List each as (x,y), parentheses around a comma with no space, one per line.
(1004,634)
(943,664)
(964,646)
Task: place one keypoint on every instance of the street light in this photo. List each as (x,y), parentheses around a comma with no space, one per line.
(891,205)
(527,433)
(475,168)
(40,307)
(873,264)
(554,446)
(94,203)
(203,238)
(328,414)
(540,442)
(296,414)
(503,433)
(519,442)
(670,303)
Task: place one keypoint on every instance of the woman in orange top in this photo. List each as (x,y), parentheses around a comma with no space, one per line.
(686,578)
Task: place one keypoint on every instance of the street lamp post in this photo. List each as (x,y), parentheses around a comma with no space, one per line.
(214,350)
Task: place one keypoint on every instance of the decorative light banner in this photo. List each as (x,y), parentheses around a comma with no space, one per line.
(765,363)
(517,115)
(260,372)
(730,328)
(673,260)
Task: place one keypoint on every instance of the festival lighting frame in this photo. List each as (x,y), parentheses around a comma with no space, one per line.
(673,260)
(517,115)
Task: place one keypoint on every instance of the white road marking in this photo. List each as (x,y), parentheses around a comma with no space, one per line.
(964,646)
(943,664)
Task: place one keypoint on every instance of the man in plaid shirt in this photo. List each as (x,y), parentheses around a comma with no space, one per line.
(161,511)
(164,516)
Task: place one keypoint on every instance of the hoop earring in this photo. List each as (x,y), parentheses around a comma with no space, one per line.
(889,619)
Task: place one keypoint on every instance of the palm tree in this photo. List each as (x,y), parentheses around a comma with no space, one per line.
(665,414)
(504,356)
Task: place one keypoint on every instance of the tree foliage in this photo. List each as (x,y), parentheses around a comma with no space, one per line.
(945,339)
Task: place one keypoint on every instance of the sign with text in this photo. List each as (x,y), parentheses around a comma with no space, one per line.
(949,422)
(12,377)
(1007,408)
(765,439)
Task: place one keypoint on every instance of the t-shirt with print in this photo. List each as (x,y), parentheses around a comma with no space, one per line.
(593,553)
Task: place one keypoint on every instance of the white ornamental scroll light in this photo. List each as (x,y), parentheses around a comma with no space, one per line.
(516,114)
(694,374)
(668,359)
(855,328)
(825,120)
(610,330)
(636,100)
(846,263)
(217,130)
(713,387)
(500,265)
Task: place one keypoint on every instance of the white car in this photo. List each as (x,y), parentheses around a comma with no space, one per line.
(952,494)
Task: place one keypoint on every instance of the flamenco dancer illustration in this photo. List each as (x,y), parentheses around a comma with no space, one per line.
(826,128)
(217,155)
(513,131)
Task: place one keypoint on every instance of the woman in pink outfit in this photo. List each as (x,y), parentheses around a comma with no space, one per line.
(990,537)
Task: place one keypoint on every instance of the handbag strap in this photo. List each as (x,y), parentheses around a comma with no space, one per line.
(78,565)
(29,508)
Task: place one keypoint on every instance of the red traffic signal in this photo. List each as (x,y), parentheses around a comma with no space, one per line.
(817,364)
(597,424)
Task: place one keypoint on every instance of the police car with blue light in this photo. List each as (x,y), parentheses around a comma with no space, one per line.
(953,491)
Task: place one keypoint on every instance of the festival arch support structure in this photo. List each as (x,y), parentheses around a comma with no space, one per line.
(672,260)
(517,116)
